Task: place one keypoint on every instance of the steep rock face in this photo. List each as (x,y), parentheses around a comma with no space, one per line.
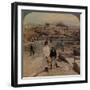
(76,66)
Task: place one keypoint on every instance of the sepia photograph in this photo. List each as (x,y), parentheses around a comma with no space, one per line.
(49,44)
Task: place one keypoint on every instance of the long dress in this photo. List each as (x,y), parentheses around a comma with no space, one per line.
(46,53)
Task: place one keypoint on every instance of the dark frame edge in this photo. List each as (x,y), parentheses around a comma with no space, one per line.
(50,5)
(86,47)
(13,45)
(52,83)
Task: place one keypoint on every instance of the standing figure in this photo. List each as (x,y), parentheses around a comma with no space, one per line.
(46,53)
(53,56)
(62,45)
(31,50)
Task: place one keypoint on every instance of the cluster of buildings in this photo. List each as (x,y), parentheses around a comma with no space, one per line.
(52,31)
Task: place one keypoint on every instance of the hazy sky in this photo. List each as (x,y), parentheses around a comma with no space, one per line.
(44,17)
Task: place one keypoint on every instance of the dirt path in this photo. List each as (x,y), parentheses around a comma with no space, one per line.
(32,66)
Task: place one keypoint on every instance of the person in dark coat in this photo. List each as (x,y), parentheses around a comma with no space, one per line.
(62,45)
(53,56)
(31,50)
